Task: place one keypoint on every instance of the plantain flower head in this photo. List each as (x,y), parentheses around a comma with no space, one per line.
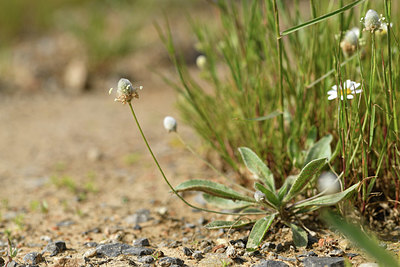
(126,92)
(170,124)
(328,183)
(372,21)
(350,41)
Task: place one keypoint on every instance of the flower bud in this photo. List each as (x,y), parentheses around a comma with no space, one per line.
(372,21)
(201,61)
(259,196)
(328,183)
(170,124)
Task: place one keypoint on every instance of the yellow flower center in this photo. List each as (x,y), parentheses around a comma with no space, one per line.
(348,91)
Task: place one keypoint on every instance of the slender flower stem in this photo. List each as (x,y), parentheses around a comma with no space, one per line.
(188,147)
(166,180)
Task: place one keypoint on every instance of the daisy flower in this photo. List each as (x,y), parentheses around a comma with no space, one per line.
(350,89)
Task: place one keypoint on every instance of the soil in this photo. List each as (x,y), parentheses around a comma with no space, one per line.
(73,167)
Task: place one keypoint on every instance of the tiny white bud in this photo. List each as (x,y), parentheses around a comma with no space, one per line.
(170,124)
(259,196)
(201,62)
(125,91)
(372,21)
(328,183)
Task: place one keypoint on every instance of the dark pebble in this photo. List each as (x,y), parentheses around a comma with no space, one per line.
(286,259)
(55,247)
(309,254)
(336,253)
(1,261)
(207,249)
(93,230)
(323,262)
(140,216)
(268,246)
(141,242)
(175,244)
(279,248)
(137,227)
(170,261)
(33,258)
(351,255)
(116,249)
(187,251)
(12,264)
(146,259)
(202,221)
(198,255)
(271,263)
(238,260)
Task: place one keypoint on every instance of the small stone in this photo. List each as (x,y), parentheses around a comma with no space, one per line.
(94,154)
(141,242)
(162,211)
(146,259)
(230,252)
(33,258)
(279,248)
(46,238)
(369,264)
(12,264)
(90,244)
(55,247)
(220,250)
(323,261)
(175,244)
(65,223)
(138,251)
(205,243)
(202,221)
(344,244)
(271,263)
(169,261)
(190,225)
(116,249)
(198,255)
(268,246)
(90,253)
(137,227)
(207,249)
(336,253)
(187,251)
(140,216)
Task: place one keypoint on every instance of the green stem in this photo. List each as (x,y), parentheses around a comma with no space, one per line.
(165,178)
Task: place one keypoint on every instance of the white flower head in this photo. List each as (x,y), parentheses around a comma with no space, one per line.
(350,41)
(350,89)
(328,183)
(259,196)
(170,124)
(372,21)
(201,61)
(126,92)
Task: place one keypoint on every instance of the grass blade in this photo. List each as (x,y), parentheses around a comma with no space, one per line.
(321,18)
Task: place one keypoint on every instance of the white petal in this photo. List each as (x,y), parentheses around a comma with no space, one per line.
(334,87)
(348,83)
(356,85)
(341,97)
(330,92)
(350,96)
(333,96)
(358,91)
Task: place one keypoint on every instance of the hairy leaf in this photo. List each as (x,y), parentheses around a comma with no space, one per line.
(304,177)
(328,200)
(299,236)
(224,203)
(258,232)
(287,184)
(257,167)
(321,149)
(271,197)
(212,188)
(227,224)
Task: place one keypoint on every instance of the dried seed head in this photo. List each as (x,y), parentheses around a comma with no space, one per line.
(125,92)
(372,20)
(259,196)
(350,41)
(328,183)
(170,124)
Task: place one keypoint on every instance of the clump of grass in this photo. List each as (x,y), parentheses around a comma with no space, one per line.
(266,88)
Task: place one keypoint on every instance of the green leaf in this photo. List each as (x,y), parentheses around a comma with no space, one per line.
(304,177)
(227,224)
(361,240)
(224,203)
(257,167)
(321,18)
(299,236)
(212,188)
(293,150)
(271,198)
(286,186)
(258,232)
(311,137)
(328,200)
(321,149)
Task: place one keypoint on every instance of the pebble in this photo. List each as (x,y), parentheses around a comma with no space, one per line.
(146,259)
(190,225)
(170,261)
(205,243)
(46,238)
(162,211)
(33,258)
(12,264)
(323,261)
(90,253)
(202,221)
(271,263)
(336,253)
(207,249)
(90,244)
(140,216)
(268,246)
(65,223)
(141,242)
(279,248)
(198,255)
(230,252)
(116,249)
(187,251)
(55,247)
(309,254)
